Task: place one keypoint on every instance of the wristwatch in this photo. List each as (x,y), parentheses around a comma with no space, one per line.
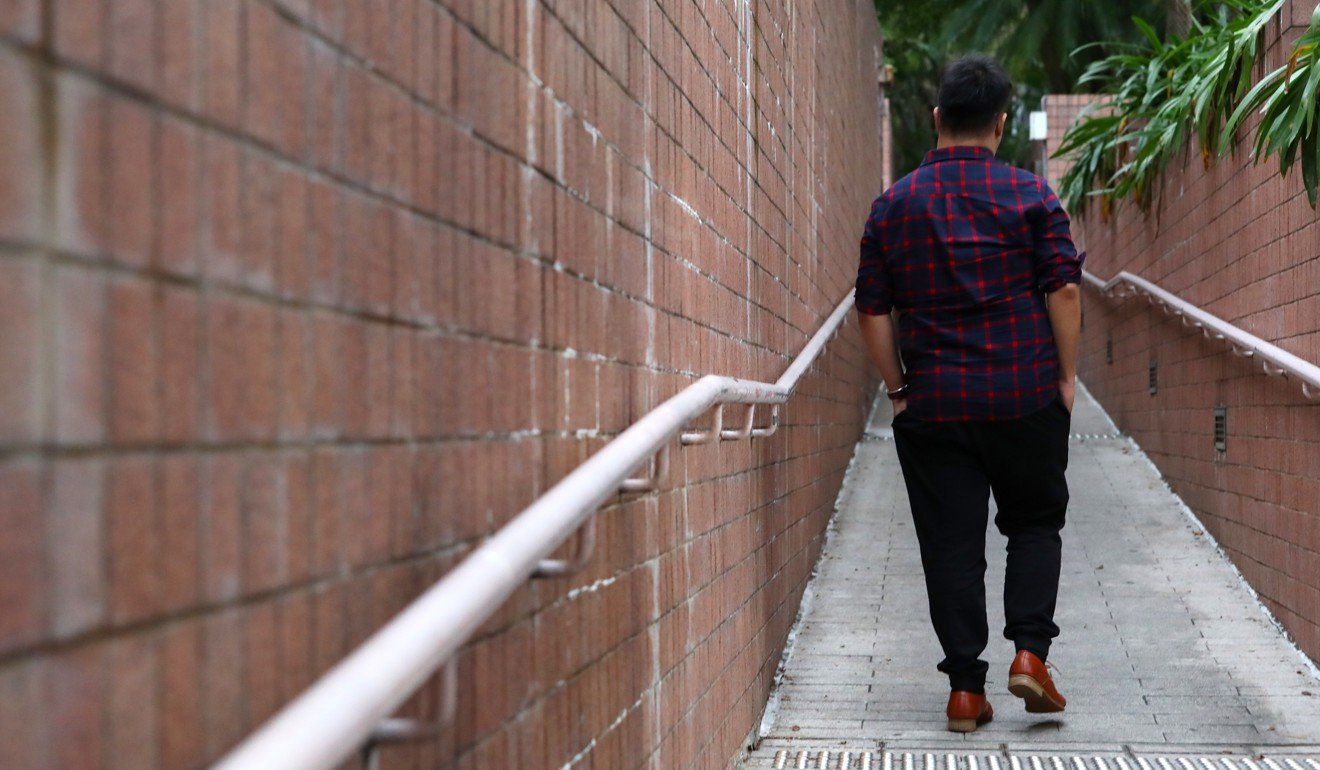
(901,393)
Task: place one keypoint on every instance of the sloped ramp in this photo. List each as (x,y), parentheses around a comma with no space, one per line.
(1167,659)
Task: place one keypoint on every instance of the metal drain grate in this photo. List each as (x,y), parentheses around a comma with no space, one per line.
(843,759)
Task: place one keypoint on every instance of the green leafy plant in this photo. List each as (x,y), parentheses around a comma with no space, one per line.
(1166,92)
(1288,100)
(1042,44)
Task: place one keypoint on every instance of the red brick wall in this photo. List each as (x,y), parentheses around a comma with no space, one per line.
(1241,242)
(1063,110)
(302,298)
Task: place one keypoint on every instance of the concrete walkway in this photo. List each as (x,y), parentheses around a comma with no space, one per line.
(1164,650)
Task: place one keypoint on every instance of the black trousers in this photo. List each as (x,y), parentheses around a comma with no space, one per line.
(950,469)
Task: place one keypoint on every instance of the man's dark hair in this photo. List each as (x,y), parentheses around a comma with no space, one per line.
(974,92)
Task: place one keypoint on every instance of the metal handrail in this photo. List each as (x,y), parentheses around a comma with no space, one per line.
(349,707)
(1275,361)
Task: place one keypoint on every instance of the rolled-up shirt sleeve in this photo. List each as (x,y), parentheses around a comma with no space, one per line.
(873,291)
(1056,259)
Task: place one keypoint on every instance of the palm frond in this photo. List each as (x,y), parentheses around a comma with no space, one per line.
(1172,91)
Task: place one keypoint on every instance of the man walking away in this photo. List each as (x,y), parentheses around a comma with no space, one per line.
(977,259)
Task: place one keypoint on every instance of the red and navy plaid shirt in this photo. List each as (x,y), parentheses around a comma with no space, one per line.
(965,248)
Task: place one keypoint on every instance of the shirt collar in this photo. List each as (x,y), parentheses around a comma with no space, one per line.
(959,152)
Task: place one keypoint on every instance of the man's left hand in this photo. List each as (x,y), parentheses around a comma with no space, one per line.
(1068,392)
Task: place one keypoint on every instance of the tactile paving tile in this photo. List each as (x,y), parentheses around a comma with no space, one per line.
(849,759)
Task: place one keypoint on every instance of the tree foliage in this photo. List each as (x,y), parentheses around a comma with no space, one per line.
(912,48)
(1288,100)
(1042,42)
(1043,45)
(1162,94)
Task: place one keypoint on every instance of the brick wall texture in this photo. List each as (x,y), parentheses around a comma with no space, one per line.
(1063,110)
(300,299)
(1241,242)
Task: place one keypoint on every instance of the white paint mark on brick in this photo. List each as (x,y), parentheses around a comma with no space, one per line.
(617,721)
(592,131)
(650,261)
(532,244)
(648,186)
(559,144)
(692,212)
(592,588)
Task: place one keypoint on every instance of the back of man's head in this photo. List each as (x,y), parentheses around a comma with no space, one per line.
(974,92)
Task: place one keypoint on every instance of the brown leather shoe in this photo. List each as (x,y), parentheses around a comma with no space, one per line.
(1030,680)
(968,711)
